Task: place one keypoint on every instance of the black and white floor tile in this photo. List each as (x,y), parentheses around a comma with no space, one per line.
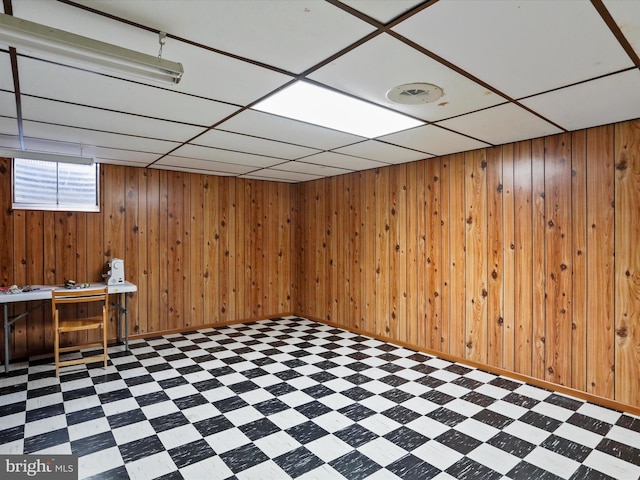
(290,398)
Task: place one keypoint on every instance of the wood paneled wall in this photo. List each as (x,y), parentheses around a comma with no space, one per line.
(522,256)
(202,250)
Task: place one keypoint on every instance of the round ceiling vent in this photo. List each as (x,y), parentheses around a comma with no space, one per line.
(415,93)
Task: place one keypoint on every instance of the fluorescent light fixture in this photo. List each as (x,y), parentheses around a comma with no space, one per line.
(84,52)
(48,157)
(313,104)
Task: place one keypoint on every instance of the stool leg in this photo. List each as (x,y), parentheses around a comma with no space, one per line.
(56,351)
(104,343)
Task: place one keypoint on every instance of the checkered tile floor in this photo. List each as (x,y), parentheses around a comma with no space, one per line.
(290,398)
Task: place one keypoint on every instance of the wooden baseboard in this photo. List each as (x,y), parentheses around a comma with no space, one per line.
(589,397)
(195,328)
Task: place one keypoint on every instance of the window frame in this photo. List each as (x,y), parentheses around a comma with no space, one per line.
(57,207)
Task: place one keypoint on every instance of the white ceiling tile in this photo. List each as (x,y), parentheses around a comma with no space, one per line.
(8,141)
(8,126)
(281,175)
(311,168)
(372,69)
(259,124)
(179,162)
(120,161)
(339,160)
(6,74)
(94,138)
(268,179)
(73,115)
(8,105)
(606,100)
(122,157)
(245,143)
(502,124)
(383,152)
(55,146)
(627,16)
(433,139)
(192,170)
(212,75)
(226,156)
(76,86)
(253,29)
(383,12)
(520,47)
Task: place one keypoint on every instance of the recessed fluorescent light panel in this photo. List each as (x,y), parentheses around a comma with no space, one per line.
(313,104)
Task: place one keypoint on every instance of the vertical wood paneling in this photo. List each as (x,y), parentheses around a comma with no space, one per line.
(175,250)
(196,249)
(423,330)
(154,255)
(410,323)
(445,255)
(232,257)
(627,221)
(433,250)
(358,247)
(157,222)
(139,314)
(355,250)
(495,261)
(457,243)
(19,278)
(334,302)
(600,261)
(381,290)
(523,257)
(509,258)
(399,252)
(164,246)
(210,252)
(579,239)
(185,261)
(369,260)
(132,238)
(476,261)
(539,224)
(558,265)
(35,272)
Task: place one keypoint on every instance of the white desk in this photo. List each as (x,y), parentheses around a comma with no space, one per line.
(43,292)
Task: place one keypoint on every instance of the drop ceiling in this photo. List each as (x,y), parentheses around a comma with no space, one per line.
(510,70)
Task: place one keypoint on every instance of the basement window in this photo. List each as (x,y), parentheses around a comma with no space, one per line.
(44,185)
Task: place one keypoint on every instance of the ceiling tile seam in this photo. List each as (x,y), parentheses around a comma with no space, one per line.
(175,37)
(220,122)
(216,161)
(581,82)
(100,131)
(111,110)
(120,149)
(264,138)
(469,76)
(237,151)
(406,15)
(343,154)
(146,85)
(350,170)
(616,31)
(253,172)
